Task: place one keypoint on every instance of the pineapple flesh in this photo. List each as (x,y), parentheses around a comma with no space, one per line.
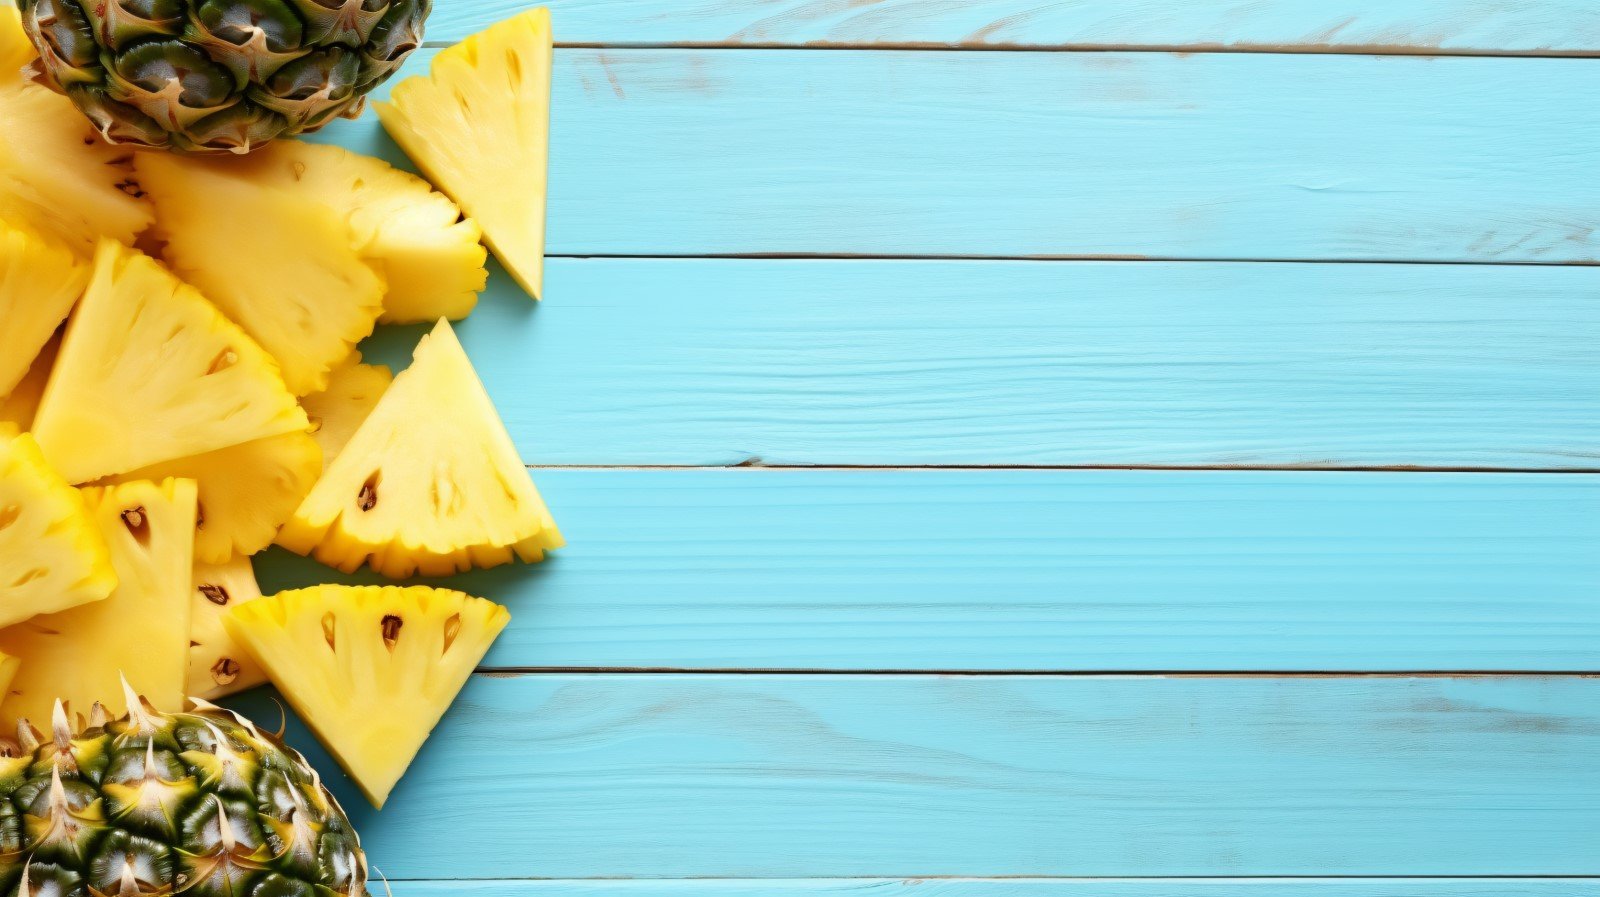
(39,283)
(478,125)
(247,491)
(149,371)
(140,632)
(281,266)
(218,665)
(338,411)
(52,554)
(56,174)
(19,408)
(431,259)
(371,669)
(431,483)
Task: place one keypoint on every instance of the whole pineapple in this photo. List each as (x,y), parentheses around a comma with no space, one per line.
(197,803)
(218,75)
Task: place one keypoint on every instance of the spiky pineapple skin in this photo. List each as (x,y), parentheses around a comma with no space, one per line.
(72,822)
(210,76)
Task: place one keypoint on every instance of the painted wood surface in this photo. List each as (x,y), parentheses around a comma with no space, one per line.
(716,362)
(1053,570)
(1292,25)
(901,776)
(914,887)
(1220,156)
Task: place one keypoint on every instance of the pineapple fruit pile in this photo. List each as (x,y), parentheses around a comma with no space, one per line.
(181,388)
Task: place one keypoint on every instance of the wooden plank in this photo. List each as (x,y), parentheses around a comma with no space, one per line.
(1052,570)
(716,362)
(916,153)
(1038,887)
(590,776)
(1303,26)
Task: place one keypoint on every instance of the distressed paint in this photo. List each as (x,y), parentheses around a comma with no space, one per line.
(1052,570)
(903,776)
(719,362)
(1507,26)
(1221,156)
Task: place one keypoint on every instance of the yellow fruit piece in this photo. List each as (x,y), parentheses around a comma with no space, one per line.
(284,268)
(478,126)
(150,371)
(52,556)
(371,669)
(431,259)
(218,665)
(56,174)
(39,282)
(19,408)
(247,491)
(141,631)
(335,413)
(431,482)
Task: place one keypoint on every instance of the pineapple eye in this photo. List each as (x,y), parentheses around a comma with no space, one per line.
(327,630)
(225,671)
(391,630)
(452,628)
(215,594)
(225,359)
(367,498)
(137,520)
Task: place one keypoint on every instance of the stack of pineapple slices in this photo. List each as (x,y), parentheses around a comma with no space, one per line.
(180,388)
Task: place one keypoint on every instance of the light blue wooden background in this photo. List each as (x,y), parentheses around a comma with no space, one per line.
(1041,448)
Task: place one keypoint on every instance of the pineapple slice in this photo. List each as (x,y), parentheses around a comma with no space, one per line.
(39,282)
(371,669)
(283,267)
(56,174)
(247,491)
(218,665)
(479,127)
(52,556)
(431,258)
(141,631)
(353,391)
(19,408)
(150,371)
(430,483)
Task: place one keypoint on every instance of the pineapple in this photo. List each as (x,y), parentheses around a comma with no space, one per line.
(200,804)
(247,491)
(52,555)
(19,408)
(218,666)
(280,265)
(430,483)
(56,174)
(142,631)
(335,413)
(371,669)
(479,127)
(150,371)
(429,256)
(39,282)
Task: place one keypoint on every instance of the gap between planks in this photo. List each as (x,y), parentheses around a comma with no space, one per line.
(518,672)
(758,464)
(1075,257)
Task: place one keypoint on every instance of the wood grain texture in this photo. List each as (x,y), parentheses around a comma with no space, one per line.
(1052,570)
(1294,25)
(676,776)
(720,362)
(1250,887)
(921,153)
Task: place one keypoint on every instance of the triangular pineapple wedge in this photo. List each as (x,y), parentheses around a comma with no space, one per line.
(370,669)
(150,371)
(431,483)
(431,259)
(142,631)
(52,555)
(56,174)
(19,408)
(219,666)
(247,491)
(478,125)
(281,266)
(39,282)
(338,411)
